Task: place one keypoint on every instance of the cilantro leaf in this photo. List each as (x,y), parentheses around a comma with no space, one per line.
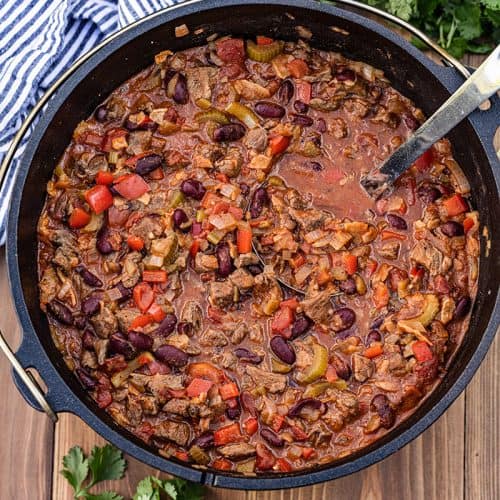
(107,495)
(402,8)
(468,17)
(186,490)
(76,469)
(106,463)
(170,489)
(147,490)
(491,4)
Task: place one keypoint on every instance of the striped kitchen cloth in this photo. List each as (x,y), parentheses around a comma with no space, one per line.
(39,39)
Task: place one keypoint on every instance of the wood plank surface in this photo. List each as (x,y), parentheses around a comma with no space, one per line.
(457,458)
(26,443)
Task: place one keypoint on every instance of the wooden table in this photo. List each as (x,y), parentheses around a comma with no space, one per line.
(457,458)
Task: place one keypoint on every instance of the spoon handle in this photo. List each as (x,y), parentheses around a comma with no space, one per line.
(483,83)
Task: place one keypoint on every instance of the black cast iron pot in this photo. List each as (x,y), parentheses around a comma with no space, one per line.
(133,49)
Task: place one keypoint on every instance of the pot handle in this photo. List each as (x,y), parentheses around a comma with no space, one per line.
(447,58)
(26,383)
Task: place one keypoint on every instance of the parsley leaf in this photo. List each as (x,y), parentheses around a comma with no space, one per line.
(457,25)
(150,488)
(76,469)
(106,463)
(107,495)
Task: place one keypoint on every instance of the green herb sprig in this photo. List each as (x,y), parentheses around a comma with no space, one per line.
(459,26)
(107,463)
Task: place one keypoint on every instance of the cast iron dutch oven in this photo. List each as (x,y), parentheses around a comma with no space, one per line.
(133,49)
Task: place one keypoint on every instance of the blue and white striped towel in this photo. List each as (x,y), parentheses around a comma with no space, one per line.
(39,39)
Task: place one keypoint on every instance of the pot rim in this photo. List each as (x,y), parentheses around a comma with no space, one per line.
(61,395)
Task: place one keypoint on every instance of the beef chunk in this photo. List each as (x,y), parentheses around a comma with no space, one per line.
(213,338)
(273,382)
(319,308)
(147,228)
(204,263)
(139,141)
(430,257)
(237,450)
(182,407)
(389,250)
(242,279)
(256,139)
(246,259)
(221,293)
(131,274)
(149,404)
(125,318)
(101,349)
(363,367)
(200,81)
(65,258)
(158,384)
(192,314)
(104,322)
(239,333)
(49,285)
(178,432)
(231,163)
(309,219)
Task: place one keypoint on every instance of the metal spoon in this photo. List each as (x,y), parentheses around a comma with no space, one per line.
(483,83)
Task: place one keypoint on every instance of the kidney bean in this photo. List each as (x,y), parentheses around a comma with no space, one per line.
(346,318)
(268,109)
(300,107)
(314,165)
(233,413)
(342,367)
(193,188)
(302,120)
(140,341)
(428,194)
(462,308)
(126,292)
(248,403)
(90,306)
(410,122)
(373,336)
(285,92)
(205,440)
(300,326)
(313,403)
(196,228)
(60,312)
(396,221)
(101,114)
(88,340)
(88,277)
(380,403)
(103,243)
(345,74)
(181,92)
(254,269)
(172,355)
(119,345)
(283,350)
(224,260)
(229,133)
(180,217)
(259,200)
(87,381)
(247,355)
(167,325)
(348,286)
(321,125)
(245,188)
(185,328)
(272,438)
(147,164)
(452,228)
(376,323)
(264,459)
